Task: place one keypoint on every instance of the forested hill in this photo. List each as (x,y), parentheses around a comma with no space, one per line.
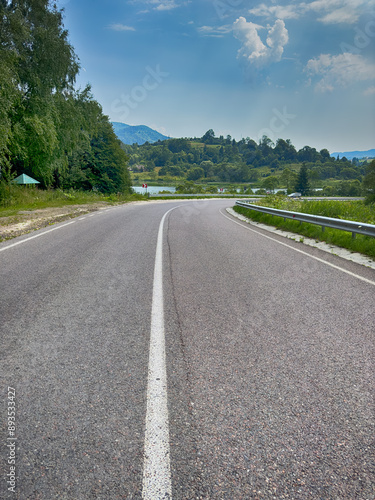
(49,129)
(130,134)
(219,159)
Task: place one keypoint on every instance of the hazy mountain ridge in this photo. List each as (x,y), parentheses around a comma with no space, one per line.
(355,154)
(131,134)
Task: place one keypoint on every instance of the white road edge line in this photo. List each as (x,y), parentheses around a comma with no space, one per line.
(301,251)
(157,482)
(35,236)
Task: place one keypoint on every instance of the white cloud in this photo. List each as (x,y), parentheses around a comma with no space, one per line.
(338,11)
(161,5)
(253,49)
(120,27)
(214,32)
(340,16)
(369,91)
(340,71)
(168,5)
(278,11)
(330,11)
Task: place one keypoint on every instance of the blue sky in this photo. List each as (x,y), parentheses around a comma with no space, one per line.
(299,70)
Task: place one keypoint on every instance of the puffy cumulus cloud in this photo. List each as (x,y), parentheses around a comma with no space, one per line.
(277,39)
(253,50)
(340,71)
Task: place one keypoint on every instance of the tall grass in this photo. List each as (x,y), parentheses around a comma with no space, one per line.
(349,210)
(354,210)
(15,198)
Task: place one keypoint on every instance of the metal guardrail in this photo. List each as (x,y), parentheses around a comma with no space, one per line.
(200,195)
(343,225)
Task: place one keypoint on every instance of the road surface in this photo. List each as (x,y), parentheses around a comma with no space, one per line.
(269,361)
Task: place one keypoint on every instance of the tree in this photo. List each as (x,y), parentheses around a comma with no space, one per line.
(285,150)
(195,173)
(177,145)
(324,153)
(302,185)
(270,183)
(48,129)
(209,137)
(101,164)
(308,154)
(39,66)
(289,178)
(265,145)
(368,183)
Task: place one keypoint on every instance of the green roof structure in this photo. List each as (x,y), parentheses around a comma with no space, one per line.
(25,179)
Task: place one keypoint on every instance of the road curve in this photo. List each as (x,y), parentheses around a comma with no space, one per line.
(269,357)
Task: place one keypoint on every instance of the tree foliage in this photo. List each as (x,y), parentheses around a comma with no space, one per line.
(224,159)
(302,184)
(369,183)
(48,129)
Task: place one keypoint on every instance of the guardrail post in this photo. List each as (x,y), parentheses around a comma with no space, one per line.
(353,236)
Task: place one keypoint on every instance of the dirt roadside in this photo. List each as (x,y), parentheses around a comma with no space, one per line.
(26,221)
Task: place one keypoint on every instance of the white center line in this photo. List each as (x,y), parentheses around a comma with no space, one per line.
(157,483)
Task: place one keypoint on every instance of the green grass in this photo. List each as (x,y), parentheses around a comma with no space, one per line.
(354,210)
(16,198)
(349,210)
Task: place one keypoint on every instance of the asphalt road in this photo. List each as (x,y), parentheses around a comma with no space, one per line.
(269,359)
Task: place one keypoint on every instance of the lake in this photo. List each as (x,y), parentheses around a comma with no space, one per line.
(153,189)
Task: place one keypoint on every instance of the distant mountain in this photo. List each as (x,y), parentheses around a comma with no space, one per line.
(131,134)
(355,154)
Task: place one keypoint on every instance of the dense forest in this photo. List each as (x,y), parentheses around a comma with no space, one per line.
(219,159)
(50,130)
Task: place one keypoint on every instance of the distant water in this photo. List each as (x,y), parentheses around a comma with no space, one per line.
(153,189)
(157,189)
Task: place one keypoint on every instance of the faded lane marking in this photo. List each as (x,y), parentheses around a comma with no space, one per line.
(36,236)
(300,251)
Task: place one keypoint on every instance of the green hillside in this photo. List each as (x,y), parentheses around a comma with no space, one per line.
(211,159)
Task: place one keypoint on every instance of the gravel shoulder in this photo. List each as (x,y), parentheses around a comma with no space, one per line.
(26,221)
(356,257)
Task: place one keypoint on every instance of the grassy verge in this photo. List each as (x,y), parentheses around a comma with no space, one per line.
(16,198)
(349,210)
